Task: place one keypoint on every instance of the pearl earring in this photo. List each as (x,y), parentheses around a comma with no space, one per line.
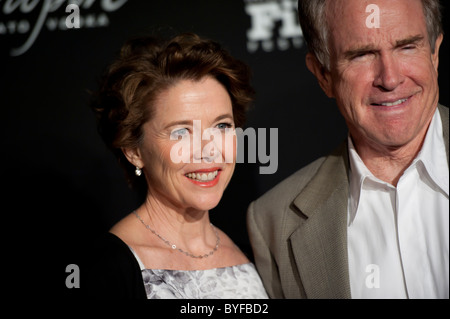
(138,171)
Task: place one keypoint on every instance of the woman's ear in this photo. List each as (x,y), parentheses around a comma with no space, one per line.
(322,75)
(133,155)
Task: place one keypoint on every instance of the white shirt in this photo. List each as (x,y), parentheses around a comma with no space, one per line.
(398,237)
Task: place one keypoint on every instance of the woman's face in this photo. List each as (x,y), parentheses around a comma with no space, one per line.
(188,150)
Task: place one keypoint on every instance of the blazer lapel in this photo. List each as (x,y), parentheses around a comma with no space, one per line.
(319,244)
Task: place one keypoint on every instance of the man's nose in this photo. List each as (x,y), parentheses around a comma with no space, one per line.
(388,73)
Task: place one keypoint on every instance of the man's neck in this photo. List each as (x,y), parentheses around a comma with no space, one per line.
(386,162)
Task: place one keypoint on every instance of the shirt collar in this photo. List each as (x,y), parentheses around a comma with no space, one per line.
(432,156)
(358,174)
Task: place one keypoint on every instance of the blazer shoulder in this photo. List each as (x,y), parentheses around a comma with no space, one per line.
(285,192)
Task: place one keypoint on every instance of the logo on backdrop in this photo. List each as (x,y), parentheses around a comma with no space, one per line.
(28,18)
(274,25)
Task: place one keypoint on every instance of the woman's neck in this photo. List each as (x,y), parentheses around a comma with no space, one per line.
(183,227)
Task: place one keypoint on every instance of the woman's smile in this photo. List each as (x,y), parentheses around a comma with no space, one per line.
(204,177)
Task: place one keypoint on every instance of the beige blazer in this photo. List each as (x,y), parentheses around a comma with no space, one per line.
(298,230)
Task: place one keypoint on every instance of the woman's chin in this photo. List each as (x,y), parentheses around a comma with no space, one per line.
(207,203)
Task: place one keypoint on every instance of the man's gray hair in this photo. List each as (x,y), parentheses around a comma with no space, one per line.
(312,16)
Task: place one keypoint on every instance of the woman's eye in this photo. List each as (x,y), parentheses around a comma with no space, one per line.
(222,126)
(175,134)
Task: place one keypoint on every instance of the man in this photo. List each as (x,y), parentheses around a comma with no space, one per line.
(371,220)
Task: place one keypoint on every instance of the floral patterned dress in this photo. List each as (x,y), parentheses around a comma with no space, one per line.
(234,282)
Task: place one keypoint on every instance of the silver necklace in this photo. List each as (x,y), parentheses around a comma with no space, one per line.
(168,243)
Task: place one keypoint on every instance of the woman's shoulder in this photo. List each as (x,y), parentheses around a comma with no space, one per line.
(112,271)
(109,247)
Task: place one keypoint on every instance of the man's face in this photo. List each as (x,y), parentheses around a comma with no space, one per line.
(384,79)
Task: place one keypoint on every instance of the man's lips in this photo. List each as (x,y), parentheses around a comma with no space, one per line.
(390,102)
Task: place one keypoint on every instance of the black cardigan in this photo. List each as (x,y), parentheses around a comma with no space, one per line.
(112,271)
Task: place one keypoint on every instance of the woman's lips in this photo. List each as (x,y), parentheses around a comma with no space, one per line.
(205,178)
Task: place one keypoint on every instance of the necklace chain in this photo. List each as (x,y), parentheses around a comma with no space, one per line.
(168,243)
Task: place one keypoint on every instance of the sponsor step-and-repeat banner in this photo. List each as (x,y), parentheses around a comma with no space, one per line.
(63,187)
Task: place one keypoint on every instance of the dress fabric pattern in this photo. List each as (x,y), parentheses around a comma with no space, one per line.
(235,282)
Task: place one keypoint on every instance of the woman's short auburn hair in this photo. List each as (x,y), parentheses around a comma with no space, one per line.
(146,67)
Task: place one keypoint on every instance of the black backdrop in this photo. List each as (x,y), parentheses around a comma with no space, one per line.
(62,187)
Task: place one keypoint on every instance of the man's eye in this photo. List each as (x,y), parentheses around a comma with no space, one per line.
(360,55)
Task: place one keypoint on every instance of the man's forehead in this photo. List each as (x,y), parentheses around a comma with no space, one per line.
(362,13)
(352,26)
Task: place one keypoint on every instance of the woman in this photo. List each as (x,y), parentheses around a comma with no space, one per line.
(168,111)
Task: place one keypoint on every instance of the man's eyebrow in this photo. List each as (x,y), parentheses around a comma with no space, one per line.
(368,48)
(410,40)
